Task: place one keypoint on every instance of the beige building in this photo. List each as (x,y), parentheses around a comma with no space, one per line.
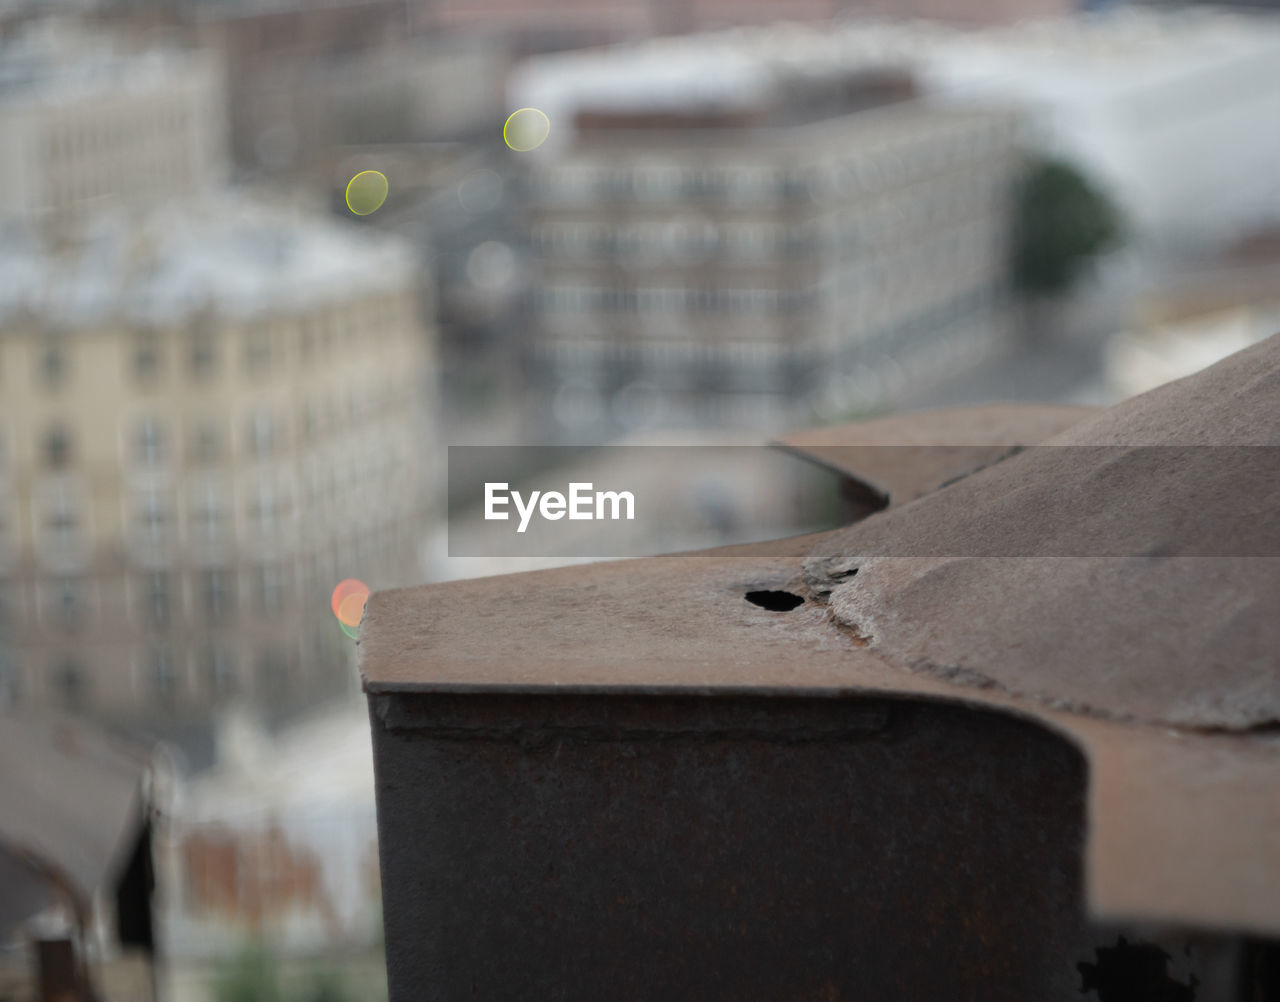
(209,415)
(1197,316)
(794,248)
(87,123)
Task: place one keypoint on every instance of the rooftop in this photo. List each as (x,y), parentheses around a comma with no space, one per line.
(74,801)
(51,61)
(739,68)
(239,255)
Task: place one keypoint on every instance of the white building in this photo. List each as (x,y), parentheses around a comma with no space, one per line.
(1198,317)
(1174,112)
(739,240)
(1177,114)
(85,123)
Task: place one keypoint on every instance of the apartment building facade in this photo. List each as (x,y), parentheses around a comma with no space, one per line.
(738,271)
(207,418)
(87,122)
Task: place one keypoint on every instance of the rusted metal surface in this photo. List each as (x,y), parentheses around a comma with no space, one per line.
(905,457)
(1183,827)
(682,624)
(526,749)
(586,847)
(1139,561)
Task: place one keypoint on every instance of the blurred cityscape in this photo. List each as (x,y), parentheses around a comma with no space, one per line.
(229,376)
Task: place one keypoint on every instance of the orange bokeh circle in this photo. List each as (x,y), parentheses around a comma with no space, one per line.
(351,610)
(345,589)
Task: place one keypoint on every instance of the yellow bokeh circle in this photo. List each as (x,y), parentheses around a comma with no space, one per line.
(526,129)
(366,192)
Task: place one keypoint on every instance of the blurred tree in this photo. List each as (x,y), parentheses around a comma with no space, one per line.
(254,976)
(249,977)
(326,987)
(1061,223)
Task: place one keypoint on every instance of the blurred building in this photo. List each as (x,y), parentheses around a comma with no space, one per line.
(414,90)
(15,12)
(209,414)
(272,52)
(306,77)
(1199,315)
(276,845)
(789,244)
(467,219)
(76,878)
(1153,104)
(1173,112)
(87,122)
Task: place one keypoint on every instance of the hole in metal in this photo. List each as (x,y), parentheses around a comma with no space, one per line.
(775,601)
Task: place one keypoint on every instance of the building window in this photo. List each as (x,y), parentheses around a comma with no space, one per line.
(202,353)
(218,670)
(53,363)
(10,683)
(162,675)
(149,442)
(8,536)
(657,181)
(257,350)
(264,510)
(153,518)
(71,684)
(261,434)
(156,598)
(57,447)
(269,586)
(310,419)
(307,340)
(146,356)
(62,523)
(208,515)
(69,605)
(218,595)
(273,671)
(206,443)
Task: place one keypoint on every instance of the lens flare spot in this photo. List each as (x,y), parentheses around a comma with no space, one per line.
(526,129)
(350,586)
(351,631)
(366,192)
(351,610)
